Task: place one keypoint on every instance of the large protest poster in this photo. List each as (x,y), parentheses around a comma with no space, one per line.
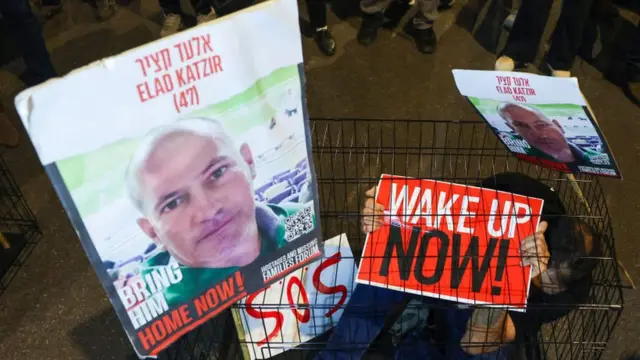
(451,241)
(185,168)
(540,119)
(303,305)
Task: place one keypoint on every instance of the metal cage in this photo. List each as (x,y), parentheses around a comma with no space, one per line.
(350,155)
(19,232)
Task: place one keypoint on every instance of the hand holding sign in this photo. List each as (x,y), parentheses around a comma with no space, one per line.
(534,251)
(372,212)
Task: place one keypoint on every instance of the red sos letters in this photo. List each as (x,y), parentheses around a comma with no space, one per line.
(301,306)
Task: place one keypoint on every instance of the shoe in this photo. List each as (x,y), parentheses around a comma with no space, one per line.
(105,9)
(504,63)
(369,28)
(8,133)
(509,21)
(559,73)
(325,41)
(171,25)
(203,18)
(425,39)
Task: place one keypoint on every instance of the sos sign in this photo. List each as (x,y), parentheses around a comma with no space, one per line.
(301,306)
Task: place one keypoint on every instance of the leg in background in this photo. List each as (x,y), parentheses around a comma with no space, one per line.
(8,137)
(172,17)
(633,58)
(318,18)
(524,38)
(422,26)
(28,34)
(232,6)
(204,11)
(372,19)
(567,36)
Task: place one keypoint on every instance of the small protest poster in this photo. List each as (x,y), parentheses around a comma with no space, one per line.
(185,167)
(303,305)
(540,119)
(451,241)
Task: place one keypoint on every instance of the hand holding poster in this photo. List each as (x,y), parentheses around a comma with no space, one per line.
(451,241)
(194,186)
(542,120)
(303,305)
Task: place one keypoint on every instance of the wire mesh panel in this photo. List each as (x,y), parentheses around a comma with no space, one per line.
(350,156)
(19,232)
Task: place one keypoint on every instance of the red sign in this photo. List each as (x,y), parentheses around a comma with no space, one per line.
(450,241)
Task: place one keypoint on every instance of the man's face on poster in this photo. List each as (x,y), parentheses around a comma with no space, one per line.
(197,197)
(539,132)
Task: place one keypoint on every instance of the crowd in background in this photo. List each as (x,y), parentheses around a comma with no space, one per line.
(526,26)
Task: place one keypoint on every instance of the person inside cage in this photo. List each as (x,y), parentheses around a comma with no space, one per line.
(562,254)
(544,135)
(194,188)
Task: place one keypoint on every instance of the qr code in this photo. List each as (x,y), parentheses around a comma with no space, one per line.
(298,224)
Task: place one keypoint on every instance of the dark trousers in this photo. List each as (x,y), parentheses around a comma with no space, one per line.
(317,13)
(201,7)
(364,317)
(27,33)
(634,51)
(528,29)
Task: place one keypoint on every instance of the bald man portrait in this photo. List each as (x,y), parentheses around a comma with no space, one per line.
(544,135)
(193,186)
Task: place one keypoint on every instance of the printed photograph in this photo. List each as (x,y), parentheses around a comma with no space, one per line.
(557,132)
(209,193)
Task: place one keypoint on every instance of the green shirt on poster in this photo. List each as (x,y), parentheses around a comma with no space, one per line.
(271,227)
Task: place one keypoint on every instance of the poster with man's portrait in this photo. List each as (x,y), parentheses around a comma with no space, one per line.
(540,119)
(185,167)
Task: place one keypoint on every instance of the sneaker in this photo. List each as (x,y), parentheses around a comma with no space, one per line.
(171,25)
(106,9)
(509,21)
(369,28)
(203,18)
(425,39)
(325,41)
(8,133)
(504,63)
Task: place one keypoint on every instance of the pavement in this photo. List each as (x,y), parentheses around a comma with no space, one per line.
(55,308)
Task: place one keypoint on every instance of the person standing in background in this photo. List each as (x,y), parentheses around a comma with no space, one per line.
(27,33)
(105,9)
(420,27)
(528,28)
(173,15)
(318,19)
